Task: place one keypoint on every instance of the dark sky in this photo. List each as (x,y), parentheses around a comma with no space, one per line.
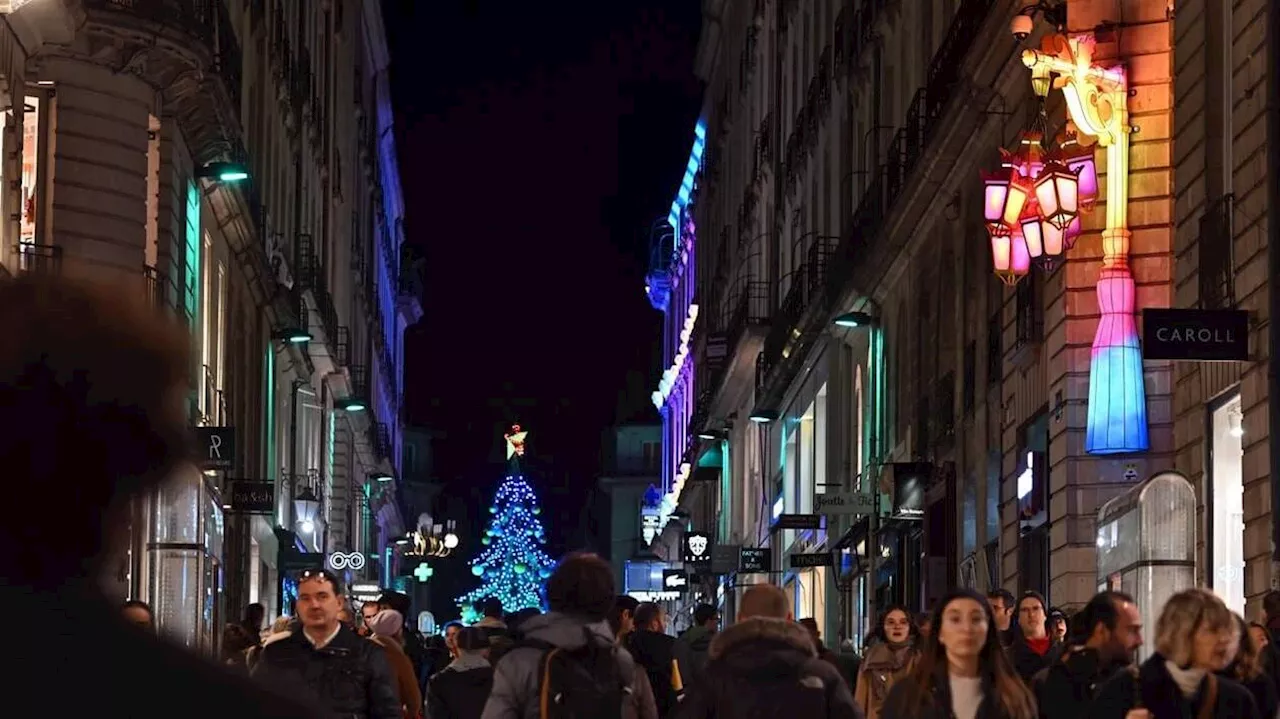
(537,144)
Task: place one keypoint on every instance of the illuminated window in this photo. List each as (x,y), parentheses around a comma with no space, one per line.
(1226,503)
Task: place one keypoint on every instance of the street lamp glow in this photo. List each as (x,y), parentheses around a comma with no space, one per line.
(450,540)
(308,526)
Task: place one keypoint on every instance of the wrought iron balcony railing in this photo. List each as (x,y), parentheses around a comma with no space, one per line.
(157,288)
(342,347)
(380,439)
(213,399)
(39,259)
(358,373)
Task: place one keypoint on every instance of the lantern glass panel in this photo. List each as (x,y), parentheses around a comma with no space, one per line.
(1086,169)
(1033,235)
(1015,201)
(1001,253)
(1054,239)
(1056,193)
(995,194)
(1020,256)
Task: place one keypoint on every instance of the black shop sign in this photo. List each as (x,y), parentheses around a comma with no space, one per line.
(250,497)
(215,447)
(1195,335)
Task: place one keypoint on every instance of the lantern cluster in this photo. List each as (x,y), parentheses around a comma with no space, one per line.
(1032,204)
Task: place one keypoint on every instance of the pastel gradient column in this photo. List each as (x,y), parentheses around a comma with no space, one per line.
(1097,101)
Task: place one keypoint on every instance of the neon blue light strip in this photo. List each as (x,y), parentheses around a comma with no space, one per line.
(690,171)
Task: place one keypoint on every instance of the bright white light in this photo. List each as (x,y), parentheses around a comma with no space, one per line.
(450,540)
(308,526)
(1025,482)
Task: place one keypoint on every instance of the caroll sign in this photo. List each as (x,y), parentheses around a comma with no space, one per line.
(1195,335)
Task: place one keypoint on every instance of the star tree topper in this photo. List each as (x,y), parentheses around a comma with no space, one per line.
(515,441)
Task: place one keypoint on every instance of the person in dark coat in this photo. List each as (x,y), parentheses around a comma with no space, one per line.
(1106,633)
(1033,648)
(694,642)
(1247,668)
(1192,642)
(460,690)
(654,651)
(1002,603)
(766,667)
(92,400)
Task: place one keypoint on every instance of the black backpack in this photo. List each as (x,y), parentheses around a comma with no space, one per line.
(592,681)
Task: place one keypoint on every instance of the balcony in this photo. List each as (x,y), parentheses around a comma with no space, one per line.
(342,347)
(192,51)
(38,259)
(380,440)
(359,376)
(801,318)
(213,401)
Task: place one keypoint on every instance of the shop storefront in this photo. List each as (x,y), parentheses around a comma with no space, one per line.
(1224,501)
(179,550)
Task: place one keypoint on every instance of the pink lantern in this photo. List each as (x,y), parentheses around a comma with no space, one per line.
(1057,192)
(1080,160)
(1072,233)
(1005,193)
(1033,233)
(1010,256)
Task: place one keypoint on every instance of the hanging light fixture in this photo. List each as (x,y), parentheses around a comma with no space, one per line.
(1005,196)
(1080,160)
(1057,193)
(1010,256)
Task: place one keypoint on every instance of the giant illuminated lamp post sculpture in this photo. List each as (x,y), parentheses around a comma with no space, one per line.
(1097,102)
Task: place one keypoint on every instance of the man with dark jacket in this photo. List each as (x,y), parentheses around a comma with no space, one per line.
(696,640)
(767,667)
(460,690)
(655,652)
(1032,648)
(1109,629)
(345,673)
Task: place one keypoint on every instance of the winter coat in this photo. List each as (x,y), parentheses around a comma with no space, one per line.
(1160,696)
(1263,689)
(516,677)
(349,676)
(767,669)
(1065,688)
(899,704)
(460,690)
(656,653)
(877,674)
(694,644)
(1026,662)
(405,675)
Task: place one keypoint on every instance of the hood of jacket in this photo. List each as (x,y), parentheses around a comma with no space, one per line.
(766,648)
(490,623)
(566,631)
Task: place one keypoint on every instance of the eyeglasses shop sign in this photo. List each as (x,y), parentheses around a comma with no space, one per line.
(1195,335)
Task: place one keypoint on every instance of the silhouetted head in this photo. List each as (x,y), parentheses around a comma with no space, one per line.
(93,401)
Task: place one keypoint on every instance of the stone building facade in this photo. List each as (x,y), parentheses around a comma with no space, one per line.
(856,340)
(233,160)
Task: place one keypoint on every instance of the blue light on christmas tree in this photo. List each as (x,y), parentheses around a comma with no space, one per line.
(512,567)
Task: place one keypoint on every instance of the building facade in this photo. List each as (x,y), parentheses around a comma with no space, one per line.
(853,338)
(234,161)
(632,455)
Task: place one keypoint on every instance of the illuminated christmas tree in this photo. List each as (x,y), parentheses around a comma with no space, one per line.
(512,567)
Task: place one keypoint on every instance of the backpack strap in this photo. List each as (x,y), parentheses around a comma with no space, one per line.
(544,691)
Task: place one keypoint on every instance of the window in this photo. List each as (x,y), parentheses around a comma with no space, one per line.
(1030,317)
(995,349)
(35,165)
(410,459)
(968,391)
(1226,502)
(652,454)
(1217,255)
(969,520)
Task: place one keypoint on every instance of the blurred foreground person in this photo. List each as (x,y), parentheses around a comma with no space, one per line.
(1245,666)
(767,667)
(388,632)
(1107,632)
(568,664)
(1193,640)
(93,389)
(962,671)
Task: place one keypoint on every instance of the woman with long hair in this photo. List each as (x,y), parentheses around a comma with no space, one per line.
(890,659)
(1192,642)
(962,671)
(1246,667)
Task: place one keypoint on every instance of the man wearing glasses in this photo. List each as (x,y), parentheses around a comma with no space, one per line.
(343,672)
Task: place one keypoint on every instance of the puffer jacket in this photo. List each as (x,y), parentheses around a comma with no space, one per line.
(767,669)
(877,674)
(515,676)
(460,690)
(350,676)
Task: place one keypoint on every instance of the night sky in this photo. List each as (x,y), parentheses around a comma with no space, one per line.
(537,144)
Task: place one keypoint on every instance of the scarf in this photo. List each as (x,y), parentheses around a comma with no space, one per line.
(1188,680)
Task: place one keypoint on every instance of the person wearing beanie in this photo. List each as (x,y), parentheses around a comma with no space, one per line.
(462,688)
(387,627)
(1033,648)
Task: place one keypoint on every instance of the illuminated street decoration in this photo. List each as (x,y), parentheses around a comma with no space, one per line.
(515,441)
(672,373)
(1097,102)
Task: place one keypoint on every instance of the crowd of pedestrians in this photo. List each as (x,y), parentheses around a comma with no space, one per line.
(92,394)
